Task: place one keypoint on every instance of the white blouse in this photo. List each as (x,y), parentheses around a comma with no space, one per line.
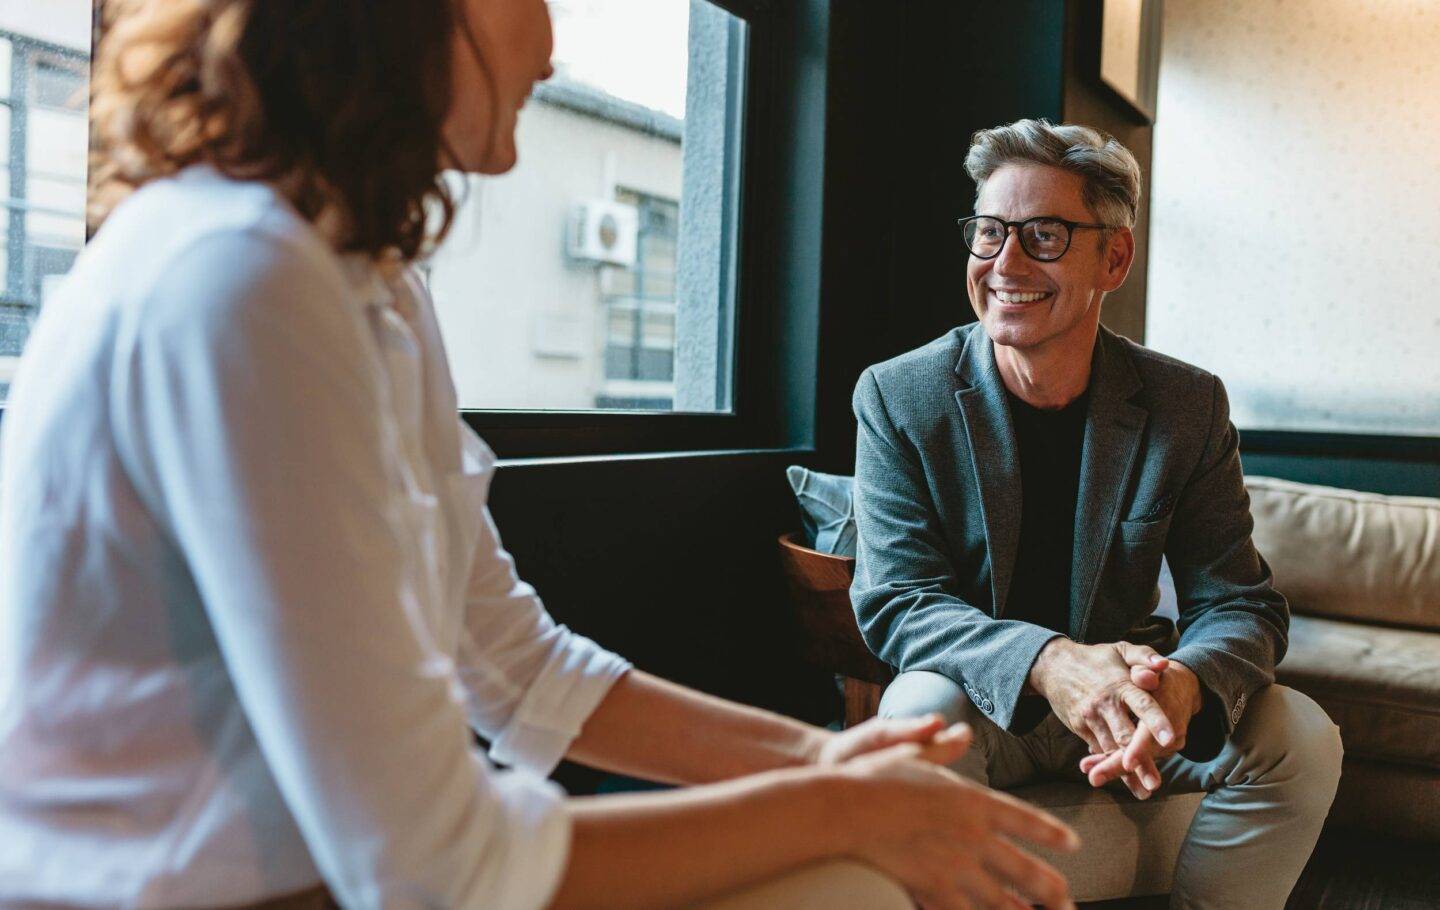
(250,591)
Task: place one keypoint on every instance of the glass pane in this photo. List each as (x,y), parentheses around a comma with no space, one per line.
(619,363)
(55,84)
(658,328)
(617,201)
(657,366)
(44,69)
(622,323)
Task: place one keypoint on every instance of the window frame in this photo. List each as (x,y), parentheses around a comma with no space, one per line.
(771,267)
(752,321)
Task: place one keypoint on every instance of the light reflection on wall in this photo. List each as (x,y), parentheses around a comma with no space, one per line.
(1295,224)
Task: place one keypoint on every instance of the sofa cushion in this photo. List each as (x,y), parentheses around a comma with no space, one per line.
(1381,685)
(827,509)
(1350,555)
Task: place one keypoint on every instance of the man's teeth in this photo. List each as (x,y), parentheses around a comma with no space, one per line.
(1009,297)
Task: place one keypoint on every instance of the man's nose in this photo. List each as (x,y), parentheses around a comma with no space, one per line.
(1012,257)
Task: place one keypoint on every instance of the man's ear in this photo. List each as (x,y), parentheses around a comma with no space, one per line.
(1118,257)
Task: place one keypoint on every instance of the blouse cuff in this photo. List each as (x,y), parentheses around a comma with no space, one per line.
(573,682)
(536,842)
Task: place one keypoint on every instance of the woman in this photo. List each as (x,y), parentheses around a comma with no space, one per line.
(252,594)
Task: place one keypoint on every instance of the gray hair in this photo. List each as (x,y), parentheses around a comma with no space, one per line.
(1110,171)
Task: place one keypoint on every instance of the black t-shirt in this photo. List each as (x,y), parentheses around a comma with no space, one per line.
(1050,444)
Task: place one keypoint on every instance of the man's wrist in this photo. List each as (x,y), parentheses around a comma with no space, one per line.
(1193,687)
(1054,650)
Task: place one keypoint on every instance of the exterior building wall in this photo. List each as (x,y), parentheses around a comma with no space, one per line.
(44,49)
(524,324)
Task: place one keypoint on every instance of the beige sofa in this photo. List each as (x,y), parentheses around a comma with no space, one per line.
(1362,574)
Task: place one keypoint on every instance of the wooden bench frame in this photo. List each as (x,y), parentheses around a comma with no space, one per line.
(829,638)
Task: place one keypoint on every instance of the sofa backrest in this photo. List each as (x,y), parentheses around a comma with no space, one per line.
(1350,555)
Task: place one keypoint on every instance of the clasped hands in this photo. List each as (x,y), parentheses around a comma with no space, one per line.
(1130,705)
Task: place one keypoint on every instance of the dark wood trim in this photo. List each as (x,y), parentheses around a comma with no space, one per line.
(1343,445)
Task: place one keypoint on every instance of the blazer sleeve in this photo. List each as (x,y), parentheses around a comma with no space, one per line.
(1234,625)
(905,593)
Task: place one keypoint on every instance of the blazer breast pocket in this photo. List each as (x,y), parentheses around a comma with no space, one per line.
(1140,533)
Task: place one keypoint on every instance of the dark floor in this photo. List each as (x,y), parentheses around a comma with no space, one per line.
(1350,872)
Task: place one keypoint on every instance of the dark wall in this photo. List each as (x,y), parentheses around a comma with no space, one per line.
(909,84)
(1089,101)
(671,562)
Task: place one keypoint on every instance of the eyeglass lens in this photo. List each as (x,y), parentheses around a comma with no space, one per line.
(1041,237)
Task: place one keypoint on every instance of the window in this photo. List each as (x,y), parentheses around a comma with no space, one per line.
(597,275)
(640,306)
(44,53)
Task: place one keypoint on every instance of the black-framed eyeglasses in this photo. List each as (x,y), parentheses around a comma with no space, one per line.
(1043,237)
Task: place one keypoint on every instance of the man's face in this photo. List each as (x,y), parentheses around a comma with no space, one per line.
(1024,303)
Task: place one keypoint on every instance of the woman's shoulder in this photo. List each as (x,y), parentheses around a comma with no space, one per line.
(214,274)
(203,225)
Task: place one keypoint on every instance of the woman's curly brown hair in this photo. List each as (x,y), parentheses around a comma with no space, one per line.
(339,103)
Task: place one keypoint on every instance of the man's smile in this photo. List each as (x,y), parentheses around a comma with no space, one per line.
(1015,297)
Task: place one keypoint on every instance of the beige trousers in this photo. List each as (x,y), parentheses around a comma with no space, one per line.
(1266,794)
(825,886)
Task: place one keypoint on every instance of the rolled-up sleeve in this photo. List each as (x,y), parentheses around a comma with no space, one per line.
(250,414)
(531,682)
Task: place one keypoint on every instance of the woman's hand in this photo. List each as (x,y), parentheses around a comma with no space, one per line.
(873,735)
(950,842)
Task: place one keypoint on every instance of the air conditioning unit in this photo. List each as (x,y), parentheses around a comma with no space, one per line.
(603,231)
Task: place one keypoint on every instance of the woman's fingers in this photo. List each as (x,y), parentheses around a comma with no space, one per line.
(1013,818)
(1028,875)
(947,746)
(950,900)
(984,889)
(876,734)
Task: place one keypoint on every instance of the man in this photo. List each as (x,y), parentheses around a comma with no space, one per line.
(1018,481)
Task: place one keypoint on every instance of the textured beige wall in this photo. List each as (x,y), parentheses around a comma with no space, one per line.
(1296,210)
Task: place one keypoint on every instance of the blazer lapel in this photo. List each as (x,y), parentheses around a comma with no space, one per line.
(1113,428)
(995,457)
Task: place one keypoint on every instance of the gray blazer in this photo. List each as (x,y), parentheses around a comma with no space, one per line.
(937,500)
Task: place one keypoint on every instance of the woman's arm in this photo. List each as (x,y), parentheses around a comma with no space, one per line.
(944,839)
(650,728)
